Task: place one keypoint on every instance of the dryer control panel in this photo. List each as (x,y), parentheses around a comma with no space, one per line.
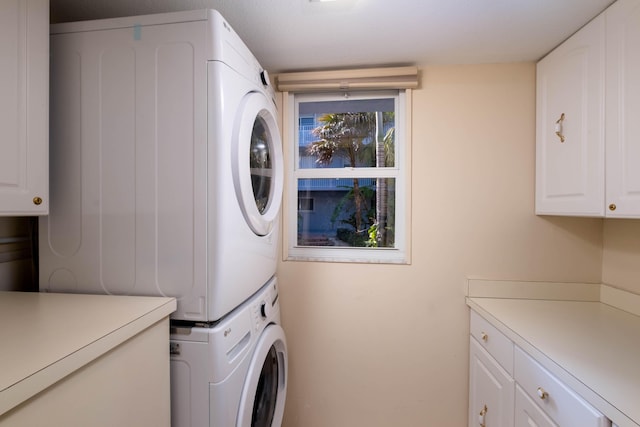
(265,309)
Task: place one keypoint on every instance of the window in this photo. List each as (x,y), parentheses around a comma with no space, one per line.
(347,177)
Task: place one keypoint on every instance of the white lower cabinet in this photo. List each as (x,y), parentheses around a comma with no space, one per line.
(490,390)
(508,387)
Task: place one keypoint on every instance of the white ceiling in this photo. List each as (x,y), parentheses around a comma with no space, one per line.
(290,35)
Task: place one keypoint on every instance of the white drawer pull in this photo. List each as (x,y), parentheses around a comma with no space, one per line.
(483,412)
(484,336)
(542,394)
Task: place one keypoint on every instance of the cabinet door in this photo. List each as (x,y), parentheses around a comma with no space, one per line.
(24,106)
(623,109)
(528,414)
(490,390)
(570,126)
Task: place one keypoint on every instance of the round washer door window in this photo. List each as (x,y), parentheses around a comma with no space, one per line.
(257,163)
(265,388)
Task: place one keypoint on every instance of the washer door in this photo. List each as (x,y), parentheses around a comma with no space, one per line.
(265,388)
(257,163)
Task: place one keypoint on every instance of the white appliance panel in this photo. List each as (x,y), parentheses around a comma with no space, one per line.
(130,184)
(189,391)
(143,194)
(176,168)
(64,233)
(117,139)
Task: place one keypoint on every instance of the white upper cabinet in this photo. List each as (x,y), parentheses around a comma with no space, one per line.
(24,107)
(623,110)
(570,125)
(588,132)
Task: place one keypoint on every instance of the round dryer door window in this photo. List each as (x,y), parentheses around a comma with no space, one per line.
(265,388)
(257,162)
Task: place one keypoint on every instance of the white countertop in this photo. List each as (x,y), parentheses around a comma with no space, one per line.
(593,347)
(47,336)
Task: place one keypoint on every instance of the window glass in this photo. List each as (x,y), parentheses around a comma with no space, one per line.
(352,212)
(349,133)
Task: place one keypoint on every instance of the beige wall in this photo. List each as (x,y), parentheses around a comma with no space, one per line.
(621,254)
(376,345)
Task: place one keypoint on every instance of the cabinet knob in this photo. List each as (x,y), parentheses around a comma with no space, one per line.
(542,394)
(483,412)
(37,201)
(484,336)
(612,207)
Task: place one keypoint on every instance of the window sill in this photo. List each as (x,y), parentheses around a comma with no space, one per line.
(348,255)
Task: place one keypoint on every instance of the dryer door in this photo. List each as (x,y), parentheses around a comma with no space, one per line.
(257,162)
(265,388)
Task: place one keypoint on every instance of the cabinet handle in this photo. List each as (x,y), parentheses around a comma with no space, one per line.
(37,201)
(612,207)
(484,336)
(483,412)
(559,130)
(542,394)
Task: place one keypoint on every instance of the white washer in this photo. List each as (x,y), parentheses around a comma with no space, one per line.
(166,167)
(234,373)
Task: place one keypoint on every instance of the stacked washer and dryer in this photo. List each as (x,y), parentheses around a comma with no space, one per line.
(166,179)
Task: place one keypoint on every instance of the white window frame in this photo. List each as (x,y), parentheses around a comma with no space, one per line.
(401,172)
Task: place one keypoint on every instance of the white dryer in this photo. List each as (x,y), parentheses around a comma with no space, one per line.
(166,167)
(232,374)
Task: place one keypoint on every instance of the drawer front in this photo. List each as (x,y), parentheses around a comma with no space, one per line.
(562,404)
(492,340)
(528,414)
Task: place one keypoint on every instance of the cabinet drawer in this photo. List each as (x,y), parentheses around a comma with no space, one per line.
(492,340)
(562,404)
(529,414)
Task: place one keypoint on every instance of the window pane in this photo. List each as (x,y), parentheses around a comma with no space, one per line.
(353,212)
(346,133)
